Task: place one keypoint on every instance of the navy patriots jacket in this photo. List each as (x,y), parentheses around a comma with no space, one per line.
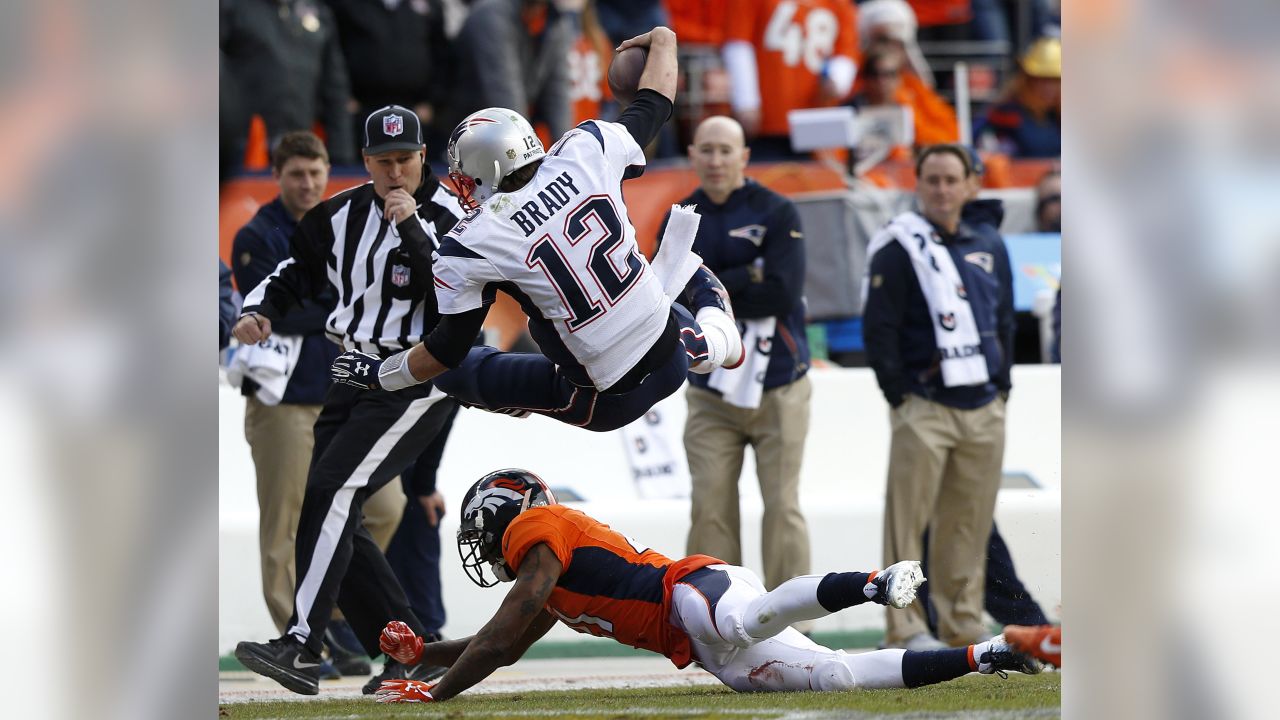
(898,329)
(258,247)
(756,223)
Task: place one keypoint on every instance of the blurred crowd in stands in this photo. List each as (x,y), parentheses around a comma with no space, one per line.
(324,65)
(985,73)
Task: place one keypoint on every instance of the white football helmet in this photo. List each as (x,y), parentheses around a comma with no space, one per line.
(486,147)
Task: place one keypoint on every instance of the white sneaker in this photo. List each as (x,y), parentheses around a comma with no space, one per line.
(724,342)
(896,585)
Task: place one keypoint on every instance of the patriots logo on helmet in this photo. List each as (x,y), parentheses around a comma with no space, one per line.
(393,125)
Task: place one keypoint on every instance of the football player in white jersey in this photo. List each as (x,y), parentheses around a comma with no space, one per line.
(550,229)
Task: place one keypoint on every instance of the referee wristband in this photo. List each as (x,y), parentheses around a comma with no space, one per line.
(394,373)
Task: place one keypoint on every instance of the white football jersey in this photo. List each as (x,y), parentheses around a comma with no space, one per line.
(564,246)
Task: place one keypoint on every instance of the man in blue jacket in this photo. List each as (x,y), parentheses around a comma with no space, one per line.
(751,238)
(938,324)
(1006,599)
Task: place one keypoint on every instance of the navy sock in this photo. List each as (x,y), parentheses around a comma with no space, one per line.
(838,591)
(934,666)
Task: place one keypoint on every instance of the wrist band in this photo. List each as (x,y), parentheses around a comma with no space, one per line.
(394,373)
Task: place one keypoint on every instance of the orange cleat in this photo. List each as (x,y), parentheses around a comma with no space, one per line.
(1043,642)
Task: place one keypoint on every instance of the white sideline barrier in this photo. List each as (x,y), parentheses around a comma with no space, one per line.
(842,494)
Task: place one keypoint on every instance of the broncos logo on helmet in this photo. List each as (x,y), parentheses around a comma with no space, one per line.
(487,509)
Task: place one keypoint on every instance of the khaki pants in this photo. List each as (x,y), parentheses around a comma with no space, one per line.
(280,439)
(944,472)
(715,436)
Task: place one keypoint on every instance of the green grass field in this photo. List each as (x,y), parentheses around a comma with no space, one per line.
(969,697)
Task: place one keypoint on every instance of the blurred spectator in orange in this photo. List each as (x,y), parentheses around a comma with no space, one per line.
(1027,121)
(285,58)
(943,19)
(698,23)
(511,53)
(1049,202)
(589,60)
(893,22)
(885,80)
(397,54)
(798,55)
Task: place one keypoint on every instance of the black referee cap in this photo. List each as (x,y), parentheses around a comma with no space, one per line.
(392,128)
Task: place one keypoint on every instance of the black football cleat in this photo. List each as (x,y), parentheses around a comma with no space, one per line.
(284,660)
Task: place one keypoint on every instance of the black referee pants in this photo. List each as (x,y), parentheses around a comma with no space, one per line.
(363,439)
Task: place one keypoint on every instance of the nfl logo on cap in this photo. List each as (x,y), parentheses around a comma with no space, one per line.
(392,125)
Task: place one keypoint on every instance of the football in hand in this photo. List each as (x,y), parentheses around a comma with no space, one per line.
(625,71)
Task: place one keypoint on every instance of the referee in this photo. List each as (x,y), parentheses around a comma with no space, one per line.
(372,244)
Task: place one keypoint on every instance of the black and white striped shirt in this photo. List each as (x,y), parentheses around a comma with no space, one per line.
(380,273)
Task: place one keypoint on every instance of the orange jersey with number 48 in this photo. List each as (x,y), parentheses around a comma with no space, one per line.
(610,585)
(793,40)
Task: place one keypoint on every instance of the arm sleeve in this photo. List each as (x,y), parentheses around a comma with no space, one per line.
(882,318)
(646,115)
(301,276)
(784,260)
(1006,321)
(452,338)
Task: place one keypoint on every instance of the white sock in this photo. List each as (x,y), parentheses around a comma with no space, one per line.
(724,344)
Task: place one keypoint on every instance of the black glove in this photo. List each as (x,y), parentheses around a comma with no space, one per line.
(357,369)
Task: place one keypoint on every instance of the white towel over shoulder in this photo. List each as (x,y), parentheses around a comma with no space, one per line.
(953,325)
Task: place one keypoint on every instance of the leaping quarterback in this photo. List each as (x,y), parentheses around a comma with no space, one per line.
(550,228)
(570,568)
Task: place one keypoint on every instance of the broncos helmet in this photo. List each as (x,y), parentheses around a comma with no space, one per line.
(486,147)
(488,508)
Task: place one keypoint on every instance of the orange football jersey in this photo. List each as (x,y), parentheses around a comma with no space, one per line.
(610,585)
(793,40)
(588,65)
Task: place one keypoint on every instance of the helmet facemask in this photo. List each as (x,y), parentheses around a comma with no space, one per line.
(487,510)
(486,147)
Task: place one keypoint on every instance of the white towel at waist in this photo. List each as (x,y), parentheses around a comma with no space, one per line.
(744,385)
(269,363)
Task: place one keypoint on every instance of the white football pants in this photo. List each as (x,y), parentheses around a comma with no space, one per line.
(750,647)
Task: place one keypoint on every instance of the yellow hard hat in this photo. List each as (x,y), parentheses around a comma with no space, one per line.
(1043,59)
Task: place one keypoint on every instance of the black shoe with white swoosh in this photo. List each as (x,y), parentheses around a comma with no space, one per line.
(284,660)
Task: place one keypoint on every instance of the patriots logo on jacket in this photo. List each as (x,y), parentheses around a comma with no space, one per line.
(984,260)
(752,233)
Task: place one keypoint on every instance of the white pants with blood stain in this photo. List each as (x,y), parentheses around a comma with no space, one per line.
(747,643)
